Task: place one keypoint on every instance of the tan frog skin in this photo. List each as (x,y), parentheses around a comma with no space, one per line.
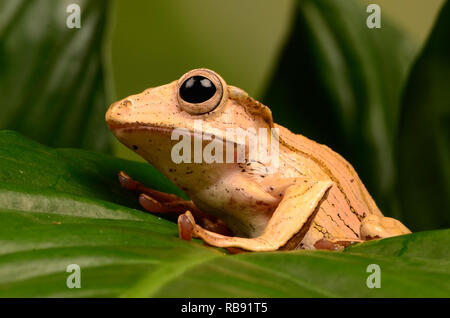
(315,199)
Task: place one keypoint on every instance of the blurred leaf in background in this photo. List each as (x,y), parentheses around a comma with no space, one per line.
(424,137)
(53,84)
(339,83)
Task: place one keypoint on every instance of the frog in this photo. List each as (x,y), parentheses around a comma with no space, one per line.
(312,199)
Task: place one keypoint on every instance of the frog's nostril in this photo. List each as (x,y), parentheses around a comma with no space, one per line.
(126,103)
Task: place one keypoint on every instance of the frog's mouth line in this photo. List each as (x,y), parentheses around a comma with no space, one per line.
(163,130)
(140,126)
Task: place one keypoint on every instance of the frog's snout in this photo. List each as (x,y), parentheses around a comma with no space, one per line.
(117,111)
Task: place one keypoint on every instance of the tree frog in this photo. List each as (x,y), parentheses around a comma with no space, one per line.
(314,199)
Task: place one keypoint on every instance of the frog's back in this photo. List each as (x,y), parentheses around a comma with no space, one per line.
(347,203)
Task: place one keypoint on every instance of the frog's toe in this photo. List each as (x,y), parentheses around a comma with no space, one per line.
(150,204)
(335,245)
(127,182)
(132,185)
(186,224)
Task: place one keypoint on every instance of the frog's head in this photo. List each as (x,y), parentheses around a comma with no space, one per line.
(146,122)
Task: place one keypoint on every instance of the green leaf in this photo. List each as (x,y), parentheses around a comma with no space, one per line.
(53,85)
(424,138)
(407,270)
(339,83)
(63,206)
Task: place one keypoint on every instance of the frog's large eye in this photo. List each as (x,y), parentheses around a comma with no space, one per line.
(197,89)
(200,91)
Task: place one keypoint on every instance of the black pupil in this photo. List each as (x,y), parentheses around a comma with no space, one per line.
(197,89)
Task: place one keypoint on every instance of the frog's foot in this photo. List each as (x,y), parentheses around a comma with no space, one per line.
(336,244)
(186,224)
(177,206)
(128,183)
(189,229)
(374,227)
(156,201)
(160,202)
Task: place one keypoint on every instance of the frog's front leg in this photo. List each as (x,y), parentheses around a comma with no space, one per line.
(130,184)
(299,203)
(373,227)
(160,202)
